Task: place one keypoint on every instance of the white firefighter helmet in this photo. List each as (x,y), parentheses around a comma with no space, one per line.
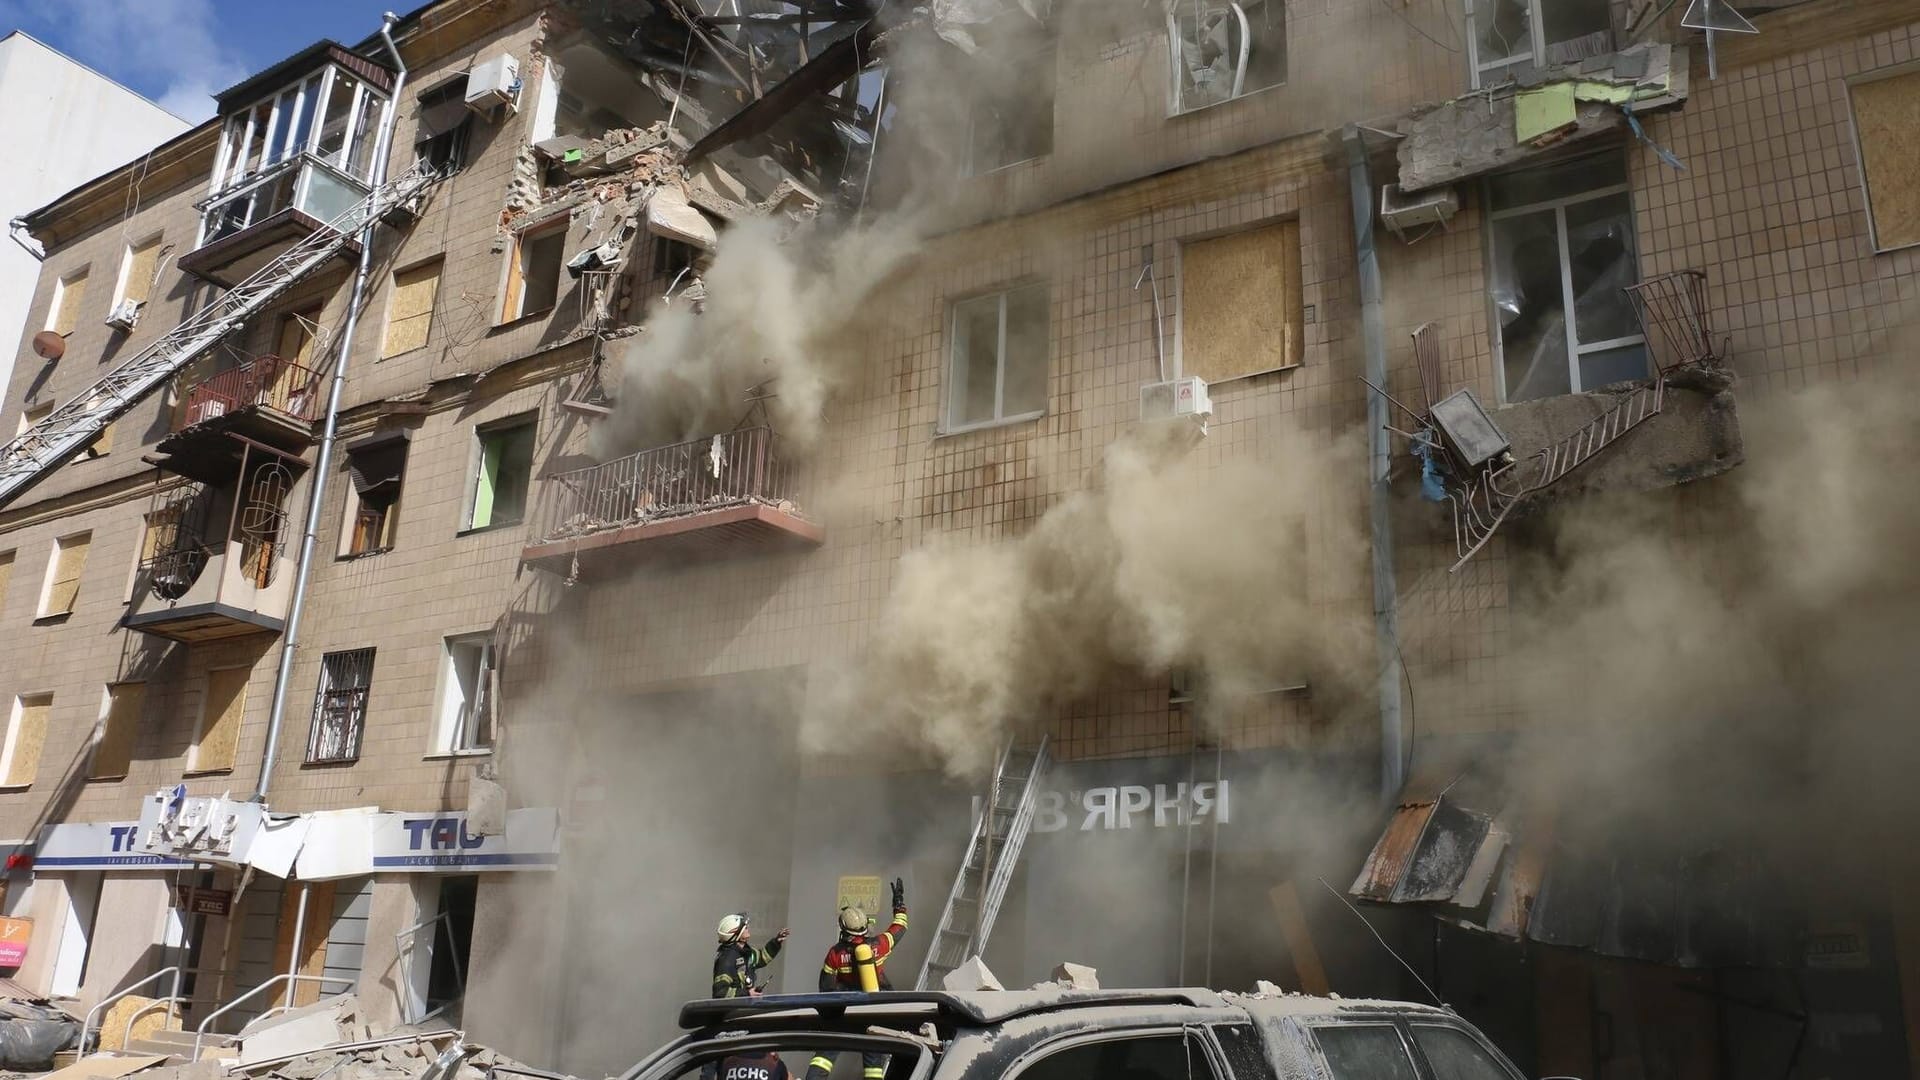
(853,920)
(732,925)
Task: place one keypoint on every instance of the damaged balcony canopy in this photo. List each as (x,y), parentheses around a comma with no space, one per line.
(1483,859)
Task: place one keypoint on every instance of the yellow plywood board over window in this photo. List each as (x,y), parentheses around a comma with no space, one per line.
(6,576)
(1886,114)
(225,706)
(66,312)
(410,314)
(114,752)
(1240,303)
(69,562)
(28,735)
(140,263)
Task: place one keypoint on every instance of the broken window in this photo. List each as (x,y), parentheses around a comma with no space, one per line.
(999,358)
(673,259)
(503,474)
(1241,303)
(33,414)
(1011,119)
(375,465)
(533,272)
(466,695)
(1886,113)
(1224,51)
(1511,37)
(1563,243)
(443,123)
(340,706)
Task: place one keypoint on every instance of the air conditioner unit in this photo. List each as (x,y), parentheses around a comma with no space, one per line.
(1181,397)
(124,316)
(1400,211)
(492,83)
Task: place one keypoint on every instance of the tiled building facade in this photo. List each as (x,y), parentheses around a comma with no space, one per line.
(629,689)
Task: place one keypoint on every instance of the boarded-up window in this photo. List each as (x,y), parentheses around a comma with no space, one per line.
(313,932)
(25,735)
(410,314)
(33,414)
(64,315)
(1240,303)
(119,726)
(63,574)
(6,576)
(136,270)
(1886,119)
(221,711)
(101,445)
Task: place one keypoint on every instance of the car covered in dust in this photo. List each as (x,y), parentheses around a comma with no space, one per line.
(1066,1034)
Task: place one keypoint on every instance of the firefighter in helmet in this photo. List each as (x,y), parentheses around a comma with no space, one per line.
(858,961)
(736,961)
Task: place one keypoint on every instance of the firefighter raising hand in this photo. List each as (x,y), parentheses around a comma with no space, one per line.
(899,894)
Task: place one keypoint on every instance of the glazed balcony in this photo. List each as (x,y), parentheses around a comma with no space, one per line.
(267,402)
(730,494)
(245,229)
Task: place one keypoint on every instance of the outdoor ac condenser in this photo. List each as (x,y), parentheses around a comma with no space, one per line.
(1179,397)
(1400,211)
(493,82)
(124,316)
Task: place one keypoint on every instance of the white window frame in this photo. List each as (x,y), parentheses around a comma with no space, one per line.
(1175,87)
(1575,348)
(126,266)
(14,716)
(1536,56)
(949,383)
(451,704)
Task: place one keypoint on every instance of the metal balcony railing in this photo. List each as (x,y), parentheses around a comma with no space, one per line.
(269,381)
(733,469)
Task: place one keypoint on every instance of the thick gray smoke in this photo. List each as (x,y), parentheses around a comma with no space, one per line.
(1241,572)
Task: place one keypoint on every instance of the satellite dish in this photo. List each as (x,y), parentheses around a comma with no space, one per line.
(49,345)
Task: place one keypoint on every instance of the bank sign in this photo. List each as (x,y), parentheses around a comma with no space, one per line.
(101,845)
(441,842)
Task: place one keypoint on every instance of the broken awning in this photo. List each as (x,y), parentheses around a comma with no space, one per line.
(331,844)
(1581,883)
(375,463)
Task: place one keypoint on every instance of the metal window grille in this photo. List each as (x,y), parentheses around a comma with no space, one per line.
(340,706)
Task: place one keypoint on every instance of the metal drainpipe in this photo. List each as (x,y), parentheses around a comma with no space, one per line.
(316,494)
(1373,333)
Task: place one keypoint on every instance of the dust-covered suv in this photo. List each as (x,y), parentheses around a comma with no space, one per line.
(1072,1035)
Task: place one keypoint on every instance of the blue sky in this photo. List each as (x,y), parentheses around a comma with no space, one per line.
(178,52)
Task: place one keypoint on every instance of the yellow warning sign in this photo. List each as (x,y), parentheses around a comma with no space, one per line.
(860,892)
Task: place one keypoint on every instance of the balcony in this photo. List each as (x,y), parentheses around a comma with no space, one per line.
(215,566)
(296,152)
(247,228)
(725,495)
(268,402)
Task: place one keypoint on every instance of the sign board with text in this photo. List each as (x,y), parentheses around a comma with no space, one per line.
(441,842)
(859,892)
(99,845)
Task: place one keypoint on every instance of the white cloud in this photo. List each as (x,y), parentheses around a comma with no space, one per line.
(170,49)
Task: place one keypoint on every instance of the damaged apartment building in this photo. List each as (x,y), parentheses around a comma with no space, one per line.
(392,602)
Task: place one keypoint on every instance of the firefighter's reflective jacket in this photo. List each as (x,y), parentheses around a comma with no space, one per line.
(735,965)
(838,973)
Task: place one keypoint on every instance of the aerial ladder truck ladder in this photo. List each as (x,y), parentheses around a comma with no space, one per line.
(69,428)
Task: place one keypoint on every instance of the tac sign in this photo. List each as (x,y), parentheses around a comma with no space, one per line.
(13,941)
(860,892)
(204,901)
